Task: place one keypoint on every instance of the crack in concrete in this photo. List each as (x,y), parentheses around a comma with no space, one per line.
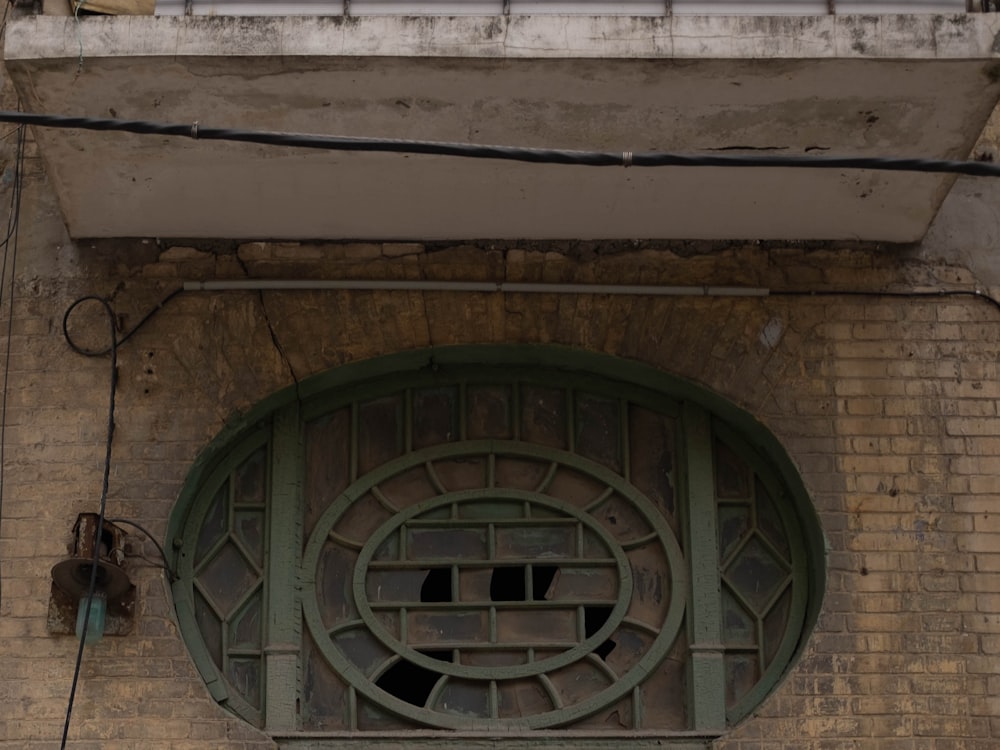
(274,340)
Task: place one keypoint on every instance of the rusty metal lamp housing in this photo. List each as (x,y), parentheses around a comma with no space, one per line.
(113,606)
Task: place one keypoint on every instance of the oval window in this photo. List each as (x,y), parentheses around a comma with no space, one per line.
(496,539)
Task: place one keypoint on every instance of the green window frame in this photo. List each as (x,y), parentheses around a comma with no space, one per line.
(500,541)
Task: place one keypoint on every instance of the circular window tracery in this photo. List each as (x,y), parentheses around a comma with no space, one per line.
(505,548)
(484,594)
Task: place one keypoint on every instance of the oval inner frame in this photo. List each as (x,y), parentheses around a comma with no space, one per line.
(668,630)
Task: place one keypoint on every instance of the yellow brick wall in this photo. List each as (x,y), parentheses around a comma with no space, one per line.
(888,406)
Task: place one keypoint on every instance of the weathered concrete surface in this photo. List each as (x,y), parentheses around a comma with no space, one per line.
(872,86)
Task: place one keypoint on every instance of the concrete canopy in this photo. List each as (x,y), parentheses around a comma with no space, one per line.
(828,85)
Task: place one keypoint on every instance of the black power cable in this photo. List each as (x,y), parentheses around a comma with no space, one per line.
(166,566)
(103,503)
(9,244)
(101,352)
(508,153)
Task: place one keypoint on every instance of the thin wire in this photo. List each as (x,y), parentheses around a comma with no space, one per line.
(13,220)
(509,153)
(100,352)
(100,515)
(166,565)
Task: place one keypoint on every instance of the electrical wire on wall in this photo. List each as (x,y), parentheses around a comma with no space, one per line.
(8,263)
(531,155)
(92,588)
(507,153)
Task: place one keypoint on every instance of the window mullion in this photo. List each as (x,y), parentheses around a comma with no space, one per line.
(283,633)
(707,684)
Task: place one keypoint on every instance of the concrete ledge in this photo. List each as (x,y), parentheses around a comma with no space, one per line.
(918,37)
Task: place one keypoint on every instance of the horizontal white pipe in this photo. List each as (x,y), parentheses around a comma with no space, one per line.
(472,286)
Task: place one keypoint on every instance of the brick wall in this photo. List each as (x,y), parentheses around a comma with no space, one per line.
(888,406)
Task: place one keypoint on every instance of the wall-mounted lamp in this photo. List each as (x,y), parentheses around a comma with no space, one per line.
(112,607)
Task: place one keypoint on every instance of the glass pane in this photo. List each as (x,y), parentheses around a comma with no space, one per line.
(549,627)
(578,681)
(324,704)
(735,522)
(362,649)
(435,417)
(210,627)
(408,488)
(756,575)
(215,526)
(437,544)
(249,478)
(226,578)
(380,432)
(327,463)
(361,519)
(543,416)
(732,476)
(461,474)
(249,529)
(622,520)
(617,717)
(535,542)
(474,584)
(464,697)
(396,585)
(244,675)
(427,628)
(769,523)
(333,584)
(739,627)
(651,447)
(520,473)
(522,698)
(371,718)
(575,488)
(245,627)
(598,430)
(775,625)
(665,692)
(488,412)
(650,584)
(742,673)
(585,583)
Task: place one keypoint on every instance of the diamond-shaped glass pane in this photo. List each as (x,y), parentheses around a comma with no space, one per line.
(756,575)
(227,578)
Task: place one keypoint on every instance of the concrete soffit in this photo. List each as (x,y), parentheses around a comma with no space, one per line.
(921,85)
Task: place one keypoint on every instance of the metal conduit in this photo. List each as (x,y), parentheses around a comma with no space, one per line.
(472,286)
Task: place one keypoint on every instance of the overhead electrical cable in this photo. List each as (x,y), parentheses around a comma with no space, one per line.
(507,153)
(92,588)
(9,262)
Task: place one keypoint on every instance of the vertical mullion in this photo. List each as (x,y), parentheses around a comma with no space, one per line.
(707,683)
(624,447)
(283,632)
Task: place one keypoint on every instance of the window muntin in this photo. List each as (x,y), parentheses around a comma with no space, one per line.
(471,502)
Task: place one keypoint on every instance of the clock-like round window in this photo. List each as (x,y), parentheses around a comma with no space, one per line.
(432,542)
